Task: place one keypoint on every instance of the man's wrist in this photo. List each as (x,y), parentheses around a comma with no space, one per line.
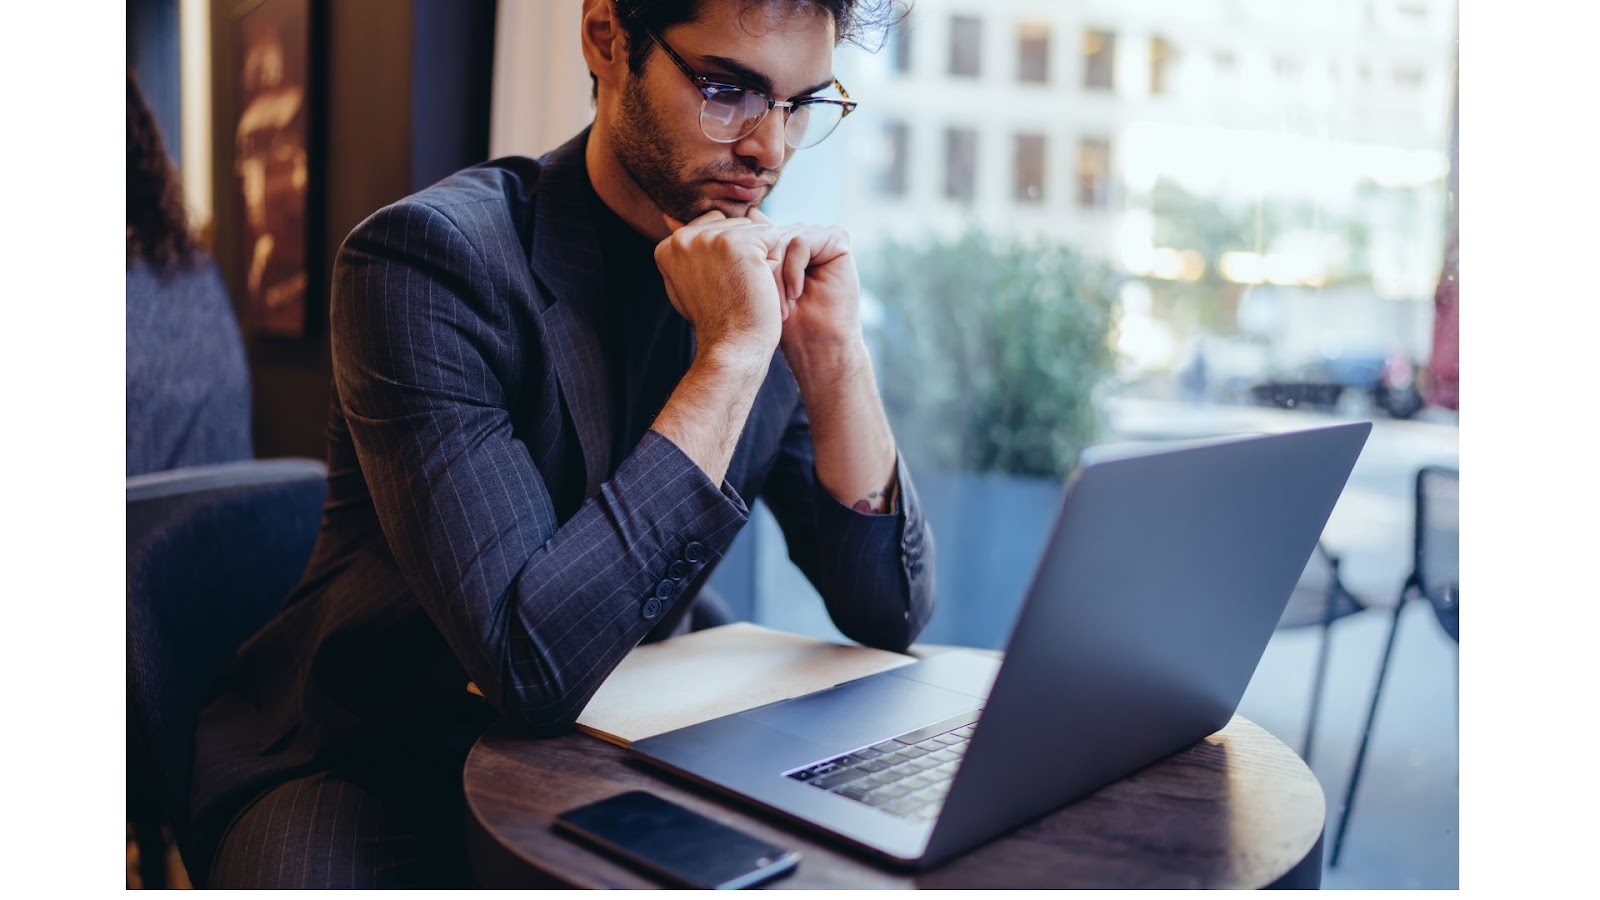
(738,359)
(824,364)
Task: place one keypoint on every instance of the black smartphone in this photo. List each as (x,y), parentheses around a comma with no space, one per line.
(676,844)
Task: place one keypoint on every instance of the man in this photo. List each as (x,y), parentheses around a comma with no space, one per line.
(557,385)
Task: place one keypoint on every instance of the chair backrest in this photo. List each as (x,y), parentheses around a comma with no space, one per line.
(1319,596)
(1436,563)
(206,569)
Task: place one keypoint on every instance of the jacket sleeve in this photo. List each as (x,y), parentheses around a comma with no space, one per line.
(427,358)
(874,572)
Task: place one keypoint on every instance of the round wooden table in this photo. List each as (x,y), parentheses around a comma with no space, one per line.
(1237,810)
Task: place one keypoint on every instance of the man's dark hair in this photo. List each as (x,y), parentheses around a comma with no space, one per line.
(158,226)
(861,22)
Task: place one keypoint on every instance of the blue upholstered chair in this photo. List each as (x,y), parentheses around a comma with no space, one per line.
(212,552)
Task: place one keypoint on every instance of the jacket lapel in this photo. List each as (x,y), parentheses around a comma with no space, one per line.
(565,259)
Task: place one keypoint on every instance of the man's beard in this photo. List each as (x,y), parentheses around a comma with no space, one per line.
(650,156)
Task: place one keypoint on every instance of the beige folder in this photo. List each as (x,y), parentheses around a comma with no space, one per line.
(706,674)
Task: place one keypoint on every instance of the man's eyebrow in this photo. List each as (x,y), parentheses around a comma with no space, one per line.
(756,79)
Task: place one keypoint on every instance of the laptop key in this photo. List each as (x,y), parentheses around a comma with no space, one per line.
(853,791)
(945,755)
(913,752)
(868,753)
(876,798)
(904,805)
(834,779)
(887,746)
(875,765)
(848,760)
(948,739)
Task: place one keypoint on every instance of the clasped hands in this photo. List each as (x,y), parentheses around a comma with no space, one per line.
(747,283)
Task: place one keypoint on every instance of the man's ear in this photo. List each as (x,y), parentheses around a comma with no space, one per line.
(605,44)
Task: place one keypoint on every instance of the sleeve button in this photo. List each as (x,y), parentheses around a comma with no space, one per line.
(665,588)
(695,552)
(652,608)
(678,570)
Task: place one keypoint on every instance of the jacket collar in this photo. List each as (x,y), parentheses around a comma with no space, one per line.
(566,261)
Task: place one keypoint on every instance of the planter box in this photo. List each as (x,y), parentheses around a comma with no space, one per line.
(989,531)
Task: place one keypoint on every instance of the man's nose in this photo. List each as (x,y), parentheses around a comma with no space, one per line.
(765,144)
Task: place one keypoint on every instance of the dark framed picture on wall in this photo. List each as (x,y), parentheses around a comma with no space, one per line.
(272,162)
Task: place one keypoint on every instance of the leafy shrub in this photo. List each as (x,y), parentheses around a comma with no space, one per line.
(990,352)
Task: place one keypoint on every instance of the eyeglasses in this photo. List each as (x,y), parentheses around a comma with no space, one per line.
(729,112)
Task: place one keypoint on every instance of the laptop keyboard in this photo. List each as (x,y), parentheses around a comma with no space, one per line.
(907,776)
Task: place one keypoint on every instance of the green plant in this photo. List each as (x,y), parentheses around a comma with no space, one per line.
(991,351)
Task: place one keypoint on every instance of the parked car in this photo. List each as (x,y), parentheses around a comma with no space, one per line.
(1351,382)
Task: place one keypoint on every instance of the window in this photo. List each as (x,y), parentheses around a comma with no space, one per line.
(892,177)
(900,47)
(1029,168)
(1162,57)
(1033,53)
(1094,173)
(966,35)
(1408,77)
(960,163)
(1099,60)
(1130,225)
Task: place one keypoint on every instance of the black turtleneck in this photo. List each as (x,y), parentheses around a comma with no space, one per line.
(646,344)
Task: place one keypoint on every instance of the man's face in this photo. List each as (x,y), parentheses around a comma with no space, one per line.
(783,48)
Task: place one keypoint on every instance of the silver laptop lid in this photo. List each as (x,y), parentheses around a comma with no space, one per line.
(1162,582)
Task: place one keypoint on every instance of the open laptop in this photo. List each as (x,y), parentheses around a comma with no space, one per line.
(1163,578)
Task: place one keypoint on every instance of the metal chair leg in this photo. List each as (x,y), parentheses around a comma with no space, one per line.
(1316,692)
(1366,735)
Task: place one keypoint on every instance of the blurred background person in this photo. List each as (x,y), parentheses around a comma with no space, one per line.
(188,388)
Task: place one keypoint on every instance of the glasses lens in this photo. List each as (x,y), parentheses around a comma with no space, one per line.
(730,114)
(811,122)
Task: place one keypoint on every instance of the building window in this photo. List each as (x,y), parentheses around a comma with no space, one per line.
(1408,77)
(1099,60)
(1033,53)
(1029,181)
(1094,173)
(896,143)
(960,163)
(1162,57)
(966,33)
(900,47)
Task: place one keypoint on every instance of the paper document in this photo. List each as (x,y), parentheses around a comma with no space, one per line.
(706,674)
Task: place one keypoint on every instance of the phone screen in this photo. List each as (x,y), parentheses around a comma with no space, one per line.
(674,843)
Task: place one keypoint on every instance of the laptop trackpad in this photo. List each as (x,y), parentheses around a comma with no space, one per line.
(864,711)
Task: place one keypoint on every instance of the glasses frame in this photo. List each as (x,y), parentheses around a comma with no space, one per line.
(710,89)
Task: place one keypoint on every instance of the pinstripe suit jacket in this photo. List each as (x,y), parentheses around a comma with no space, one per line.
(475,526)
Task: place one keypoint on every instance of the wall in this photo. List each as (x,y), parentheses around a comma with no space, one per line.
(403,102)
